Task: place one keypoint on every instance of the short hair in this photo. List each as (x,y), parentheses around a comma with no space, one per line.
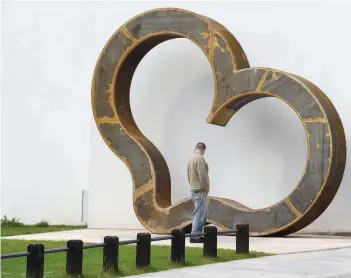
(201,146)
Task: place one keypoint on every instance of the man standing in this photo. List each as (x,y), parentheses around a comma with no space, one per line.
(199,186)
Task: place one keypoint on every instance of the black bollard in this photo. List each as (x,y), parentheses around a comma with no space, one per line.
(210,241)
(35,261)
(178,246)
(242,238)
(110,253)
(143,250)
(74,258)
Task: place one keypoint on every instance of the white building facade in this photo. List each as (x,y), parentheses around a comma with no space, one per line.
(52,150)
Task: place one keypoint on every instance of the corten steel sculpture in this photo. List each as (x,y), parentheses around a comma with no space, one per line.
(236,84)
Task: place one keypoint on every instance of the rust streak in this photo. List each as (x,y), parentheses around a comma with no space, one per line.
(292,207)
(204,35)
(107,120)
(275,76)
(144,189)
(125,31)
(262,80)
(109,91)
(216,44)
(315,120)
(211,43)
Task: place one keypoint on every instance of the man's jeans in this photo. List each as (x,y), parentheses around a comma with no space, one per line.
(200,200)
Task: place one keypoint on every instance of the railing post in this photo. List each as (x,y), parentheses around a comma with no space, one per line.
(74,258)
(210,241)
(35,261)
(110,255)
(178,246)
(242,238)
(143,250)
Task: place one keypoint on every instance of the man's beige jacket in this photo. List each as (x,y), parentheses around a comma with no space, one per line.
(198,173)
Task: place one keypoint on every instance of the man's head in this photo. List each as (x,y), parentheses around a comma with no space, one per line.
(200,148)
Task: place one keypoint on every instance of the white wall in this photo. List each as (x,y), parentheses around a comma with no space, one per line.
(46,73)
(52,149)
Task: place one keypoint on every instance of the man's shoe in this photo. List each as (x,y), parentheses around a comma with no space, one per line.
(197,240)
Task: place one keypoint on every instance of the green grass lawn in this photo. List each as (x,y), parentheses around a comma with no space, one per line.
(9,230)
(92,259)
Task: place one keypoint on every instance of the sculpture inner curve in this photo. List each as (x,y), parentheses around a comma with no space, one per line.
(122,101)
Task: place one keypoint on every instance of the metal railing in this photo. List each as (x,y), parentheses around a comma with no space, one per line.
(74,251)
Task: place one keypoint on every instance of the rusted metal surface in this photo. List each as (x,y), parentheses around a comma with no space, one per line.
(236,84)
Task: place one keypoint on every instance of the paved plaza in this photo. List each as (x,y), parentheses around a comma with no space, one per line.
(317,264)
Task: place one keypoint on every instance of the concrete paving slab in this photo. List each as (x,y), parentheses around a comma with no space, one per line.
(286,245)
(317,264)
